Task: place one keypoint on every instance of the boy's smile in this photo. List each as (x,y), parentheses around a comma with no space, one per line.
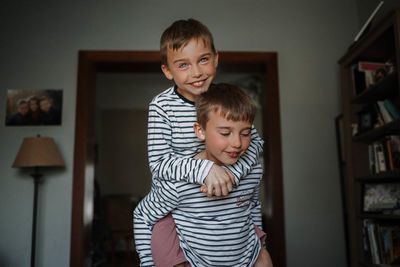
(192,68)
(226,140)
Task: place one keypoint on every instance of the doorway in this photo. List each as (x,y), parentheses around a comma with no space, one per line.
(92,63)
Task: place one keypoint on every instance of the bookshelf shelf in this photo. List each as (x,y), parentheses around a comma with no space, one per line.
(365,231)
(382,217)
(377,133)
(389,176)
(378,265)
(386,88)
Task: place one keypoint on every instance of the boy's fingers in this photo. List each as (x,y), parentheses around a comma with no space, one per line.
(227,188)
(203,189)
(217,190)
(230,187)
(209,191)
(231,176)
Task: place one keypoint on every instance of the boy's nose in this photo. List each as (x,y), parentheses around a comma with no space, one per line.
(196,71)
(236,142)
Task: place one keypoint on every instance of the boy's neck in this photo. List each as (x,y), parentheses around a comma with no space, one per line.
(181,96)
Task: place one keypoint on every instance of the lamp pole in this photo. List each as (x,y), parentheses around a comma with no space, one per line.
(36,179)
(37,152)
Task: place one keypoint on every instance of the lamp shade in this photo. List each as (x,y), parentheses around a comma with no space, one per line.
(38,152)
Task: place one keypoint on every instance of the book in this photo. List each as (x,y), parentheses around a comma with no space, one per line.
(389,157)
(381,157)
(376,160)
(395,149)
(379,119)
(374,245)
(385,113)
(370,66)
(371,157)
(381,242)
(358,78)
(391,108)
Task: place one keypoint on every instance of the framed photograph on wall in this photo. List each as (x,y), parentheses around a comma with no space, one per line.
(366,119)
(34,107)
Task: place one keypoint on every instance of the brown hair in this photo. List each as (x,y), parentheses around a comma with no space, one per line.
(180,33)
(34,98)
(228,100)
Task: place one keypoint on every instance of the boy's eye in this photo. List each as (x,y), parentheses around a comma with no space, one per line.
(182,65)
(204,60)
(224,133)
(245,134)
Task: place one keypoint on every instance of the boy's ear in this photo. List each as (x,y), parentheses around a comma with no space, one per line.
(166,72)
(216,59)
(199,131)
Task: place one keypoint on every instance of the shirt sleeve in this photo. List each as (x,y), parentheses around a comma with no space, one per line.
(161,200)
(164,163)
(249,159)
(255,202)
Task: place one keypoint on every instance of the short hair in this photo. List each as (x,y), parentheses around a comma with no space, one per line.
(180,33)
(33,98)
(226,99)
(21,102)
(46,98)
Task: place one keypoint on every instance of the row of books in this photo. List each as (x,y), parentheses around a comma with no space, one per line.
(381,242)
(376,115)
(365,74)
(386,112)
(384,155)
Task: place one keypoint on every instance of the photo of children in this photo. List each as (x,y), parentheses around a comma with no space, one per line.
(33,107)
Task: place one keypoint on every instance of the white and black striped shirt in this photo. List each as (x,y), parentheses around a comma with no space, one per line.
(171,145)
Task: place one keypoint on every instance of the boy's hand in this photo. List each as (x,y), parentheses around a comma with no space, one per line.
(219,182)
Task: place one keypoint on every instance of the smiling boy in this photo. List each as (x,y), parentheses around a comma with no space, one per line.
(221,230)
(188,57)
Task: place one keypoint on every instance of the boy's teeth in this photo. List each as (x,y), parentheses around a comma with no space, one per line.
(197,83)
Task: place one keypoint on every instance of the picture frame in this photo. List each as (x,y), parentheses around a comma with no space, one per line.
(366,119)
(34,107)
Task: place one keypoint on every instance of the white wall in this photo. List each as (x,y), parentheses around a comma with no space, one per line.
(39,49)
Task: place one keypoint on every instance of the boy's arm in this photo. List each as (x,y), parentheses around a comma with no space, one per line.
(164,163)
(249,159)
(255,202)
(161,200)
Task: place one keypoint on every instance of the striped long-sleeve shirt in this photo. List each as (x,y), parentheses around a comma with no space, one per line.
(171,145)
(216,231)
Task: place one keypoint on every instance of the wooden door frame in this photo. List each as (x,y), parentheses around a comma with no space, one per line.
(93,62)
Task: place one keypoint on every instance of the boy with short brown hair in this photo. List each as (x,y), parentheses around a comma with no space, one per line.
(190,60)
(214,231)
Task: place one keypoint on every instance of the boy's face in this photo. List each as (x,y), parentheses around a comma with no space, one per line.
(225,140)
(23,109)
(45,105)
(33,105)
(192,68)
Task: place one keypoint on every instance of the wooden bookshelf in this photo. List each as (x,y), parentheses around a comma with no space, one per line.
(380,44)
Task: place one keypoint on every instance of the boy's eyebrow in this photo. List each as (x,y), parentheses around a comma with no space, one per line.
(228,128)
(186,59)
(179,59)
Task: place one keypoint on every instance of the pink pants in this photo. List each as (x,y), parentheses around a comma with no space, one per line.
(165,243)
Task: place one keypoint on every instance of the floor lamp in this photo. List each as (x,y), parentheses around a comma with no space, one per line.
(37,152)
